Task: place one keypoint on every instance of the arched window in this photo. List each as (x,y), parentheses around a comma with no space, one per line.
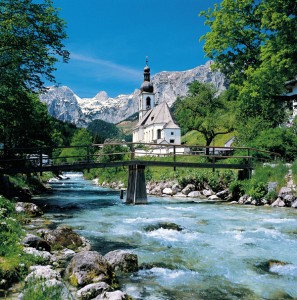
(159,133)
(148,103)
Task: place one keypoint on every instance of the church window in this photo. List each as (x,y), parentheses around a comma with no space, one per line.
(148,103)
(158,133)
(171,141)
(172,133)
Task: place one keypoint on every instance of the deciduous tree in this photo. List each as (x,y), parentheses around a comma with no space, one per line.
(203,110)
(254,44)
(31,42)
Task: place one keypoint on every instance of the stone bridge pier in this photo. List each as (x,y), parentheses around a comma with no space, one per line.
(136,191)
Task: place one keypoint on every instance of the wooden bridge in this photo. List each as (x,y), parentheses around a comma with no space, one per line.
(134,156)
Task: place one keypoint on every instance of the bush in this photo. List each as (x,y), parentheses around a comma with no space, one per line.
(216,180)
(256,190)
(40,290)
(237,188)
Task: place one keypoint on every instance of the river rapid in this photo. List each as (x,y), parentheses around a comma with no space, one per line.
(223,252)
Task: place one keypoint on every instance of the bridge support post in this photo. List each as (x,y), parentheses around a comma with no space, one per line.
(136,191)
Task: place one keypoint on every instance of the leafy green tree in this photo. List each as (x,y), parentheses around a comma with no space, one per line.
(79,147)
(102,130)
(111,152)
(24,121)
(203,110)
(282,140)
(254,44)
(31,42)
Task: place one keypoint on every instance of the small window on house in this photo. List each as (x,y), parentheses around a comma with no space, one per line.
(152,118)
(171,141)
(172,133)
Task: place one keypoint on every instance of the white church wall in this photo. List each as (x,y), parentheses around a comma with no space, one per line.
(172,135)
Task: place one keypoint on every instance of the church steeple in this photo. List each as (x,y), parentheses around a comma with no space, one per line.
(147,85)
(147,96)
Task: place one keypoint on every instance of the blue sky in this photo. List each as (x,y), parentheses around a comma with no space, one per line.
(110,39)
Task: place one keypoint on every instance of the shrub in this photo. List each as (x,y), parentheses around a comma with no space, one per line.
(40,290)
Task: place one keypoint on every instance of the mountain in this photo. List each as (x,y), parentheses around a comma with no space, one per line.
(64,105)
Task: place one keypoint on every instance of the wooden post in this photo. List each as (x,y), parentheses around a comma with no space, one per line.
(132,152)
(136,191)
(213,158)
(174,157)
(250,164)
(40,160)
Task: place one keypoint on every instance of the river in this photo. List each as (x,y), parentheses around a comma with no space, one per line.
(223,252)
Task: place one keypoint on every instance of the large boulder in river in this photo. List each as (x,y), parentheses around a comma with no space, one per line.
(88,267)
(63,237)
(163,225)
(28,208)
(122,261)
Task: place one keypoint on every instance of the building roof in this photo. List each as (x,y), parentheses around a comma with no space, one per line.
(158,115)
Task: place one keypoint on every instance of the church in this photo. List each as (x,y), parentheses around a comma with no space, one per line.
(156,124)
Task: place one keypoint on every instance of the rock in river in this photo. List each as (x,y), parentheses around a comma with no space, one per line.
(122,261)
(89,267)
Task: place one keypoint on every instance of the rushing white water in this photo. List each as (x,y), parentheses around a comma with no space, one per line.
(223,252)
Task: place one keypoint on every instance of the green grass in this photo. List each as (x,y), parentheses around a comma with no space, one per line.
(196,138)
(14,263)
(269,173)
(294,171)
(256,187)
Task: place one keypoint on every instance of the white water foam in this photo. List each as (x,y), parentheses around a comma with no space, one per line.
(285,270)
(172,235)
(179,208)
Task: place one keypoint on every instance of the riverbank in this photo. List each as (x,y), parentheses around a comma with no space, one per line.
(218,187)
(58,263)
(39,260)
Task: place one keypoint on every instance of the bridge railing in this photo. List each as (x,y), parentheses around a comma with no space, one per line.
(115,151)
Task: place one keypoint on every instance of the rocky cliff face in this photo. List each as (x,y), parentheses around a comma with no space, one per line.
(64,105)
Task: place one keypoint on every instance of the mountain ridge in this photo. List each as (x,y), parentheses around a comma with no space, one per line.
(65,105)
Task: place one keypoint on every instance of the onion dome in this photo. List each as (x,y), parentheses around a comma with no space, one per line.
(147,86)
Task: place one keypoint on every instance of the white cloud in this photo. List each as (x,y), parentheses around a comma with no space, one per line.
(109,67)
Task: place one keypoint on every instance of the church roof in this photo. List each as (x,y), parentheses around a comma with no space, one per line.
(158,115)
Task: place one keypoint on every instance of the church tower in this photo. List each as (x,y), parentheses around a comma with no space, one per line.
(147,95)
